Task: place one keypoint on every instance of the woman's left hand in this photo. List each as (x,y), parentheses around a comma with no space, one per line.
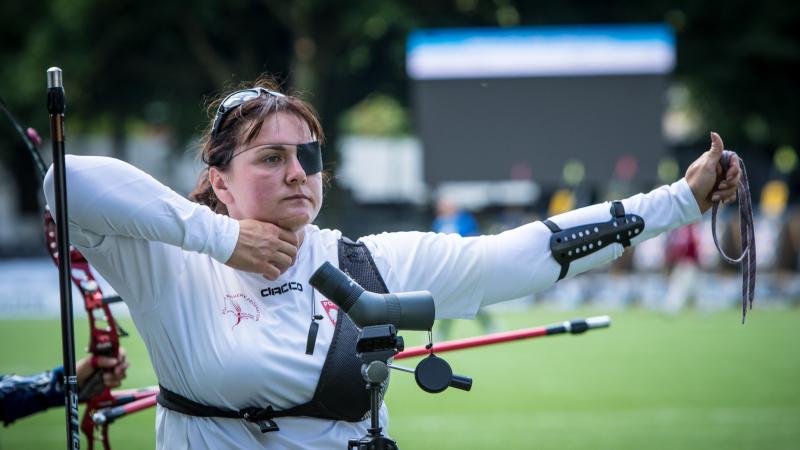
(114,369)
(706,179)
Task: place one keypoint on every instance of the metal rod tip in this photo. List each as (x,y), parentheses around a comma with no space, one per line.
(599,322)
(54,78)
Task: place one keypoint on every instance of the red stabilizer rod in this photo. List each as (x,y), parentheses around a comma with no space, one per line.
(571,326)
(121,398)
(108,415)
(138,392)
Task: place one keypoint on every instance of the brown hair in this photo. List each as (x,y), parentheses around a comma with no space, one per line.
(239,128)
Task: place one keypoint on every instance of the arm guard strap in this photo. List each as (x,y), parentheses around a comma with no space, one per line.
(576,242)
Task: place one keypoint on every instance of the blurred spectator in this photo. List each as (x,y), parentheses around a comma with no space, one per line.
(621,184)
(563,200)
(789,252)
(789,259)
(682,258)
(768,223)
(451,219)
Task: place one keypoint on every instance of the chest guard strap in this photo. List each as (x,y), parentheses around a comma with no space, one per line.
(576,242)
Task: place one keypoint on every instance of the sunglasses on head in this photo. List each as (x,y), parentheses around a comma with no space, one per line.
(236,100)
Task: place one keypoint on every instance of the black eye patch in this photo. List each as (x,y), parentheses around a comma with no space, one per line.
(310,157)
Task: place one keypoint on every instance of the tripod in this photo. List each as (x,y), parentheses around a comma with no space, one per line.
(376,345)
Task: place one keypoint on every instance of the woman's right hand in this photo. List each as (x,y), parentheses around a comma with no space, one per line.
(704,176)
(264,248)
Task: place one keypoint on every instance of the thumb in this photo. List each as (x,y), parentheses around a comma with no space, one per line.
(716,147)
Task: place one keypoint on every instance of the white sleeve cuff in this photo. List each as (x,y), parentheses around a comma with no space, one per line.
(226,234)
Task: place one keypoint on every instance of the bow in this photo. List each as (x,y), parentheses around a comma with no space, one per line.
(102,405)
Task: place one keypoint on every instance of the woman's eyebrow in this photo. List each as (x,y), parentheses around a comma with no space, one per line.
(283,147)
(260,147)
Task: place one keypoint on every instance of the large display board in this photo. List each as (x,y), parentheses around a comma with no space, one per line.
(500,104)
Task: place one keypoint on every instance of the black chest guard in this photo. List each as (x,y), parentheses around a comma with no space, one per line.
(340,392)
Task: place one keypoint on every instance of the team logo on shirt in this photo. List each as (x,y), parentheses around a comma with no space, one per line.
(241,307)
(282,289)
(331,310)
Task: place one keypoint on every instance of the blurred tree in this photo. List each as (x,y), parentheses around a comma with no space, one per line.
(154,63)
(377,115)
(15,23)
(742,62)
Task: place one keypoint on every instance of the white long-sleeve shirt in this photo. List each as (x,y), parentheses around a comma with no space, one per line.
(233,339)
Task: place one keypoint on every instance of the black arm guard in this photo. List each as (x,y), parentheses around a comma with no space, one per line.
(576,242)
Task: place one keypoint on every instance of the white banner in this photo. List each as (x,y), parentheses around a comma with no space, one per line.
(29,290)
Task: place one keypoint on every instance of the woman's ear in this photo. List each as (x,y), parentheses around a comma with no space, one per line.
(219,183)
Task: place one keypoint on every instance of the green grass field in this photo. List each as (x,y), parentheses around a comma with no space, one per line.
(694,381)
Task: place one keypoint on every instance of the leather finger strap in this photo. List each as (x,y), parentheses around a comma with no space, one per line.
(746,228)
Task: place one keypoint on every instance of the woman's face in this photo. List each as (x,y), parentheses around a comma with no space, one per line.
(265,181)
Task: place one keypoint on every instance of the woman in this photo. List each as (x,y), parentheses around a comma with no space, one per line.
(218,288)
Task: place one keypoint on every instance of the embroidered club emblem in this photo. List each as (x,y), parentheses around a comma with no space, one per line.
(241,307)
(331,310)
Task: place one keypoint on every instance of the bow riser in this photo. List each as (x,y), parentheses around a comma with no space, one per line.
(103,340)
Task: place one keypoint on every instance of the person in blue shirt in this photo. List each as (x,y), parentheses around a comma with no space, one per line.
(21,396)
(451,219)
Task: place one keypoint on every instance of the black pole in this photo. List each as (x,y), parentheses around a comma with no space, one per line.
(56,103)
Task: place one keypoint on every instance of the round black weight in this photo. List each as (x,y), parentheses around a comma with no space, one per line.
(433,374)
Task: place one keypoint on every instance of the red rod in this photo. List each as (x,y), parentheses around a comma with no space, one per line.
(477,341)
(108,415)
(574,327)
(136,393)
(138,405)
